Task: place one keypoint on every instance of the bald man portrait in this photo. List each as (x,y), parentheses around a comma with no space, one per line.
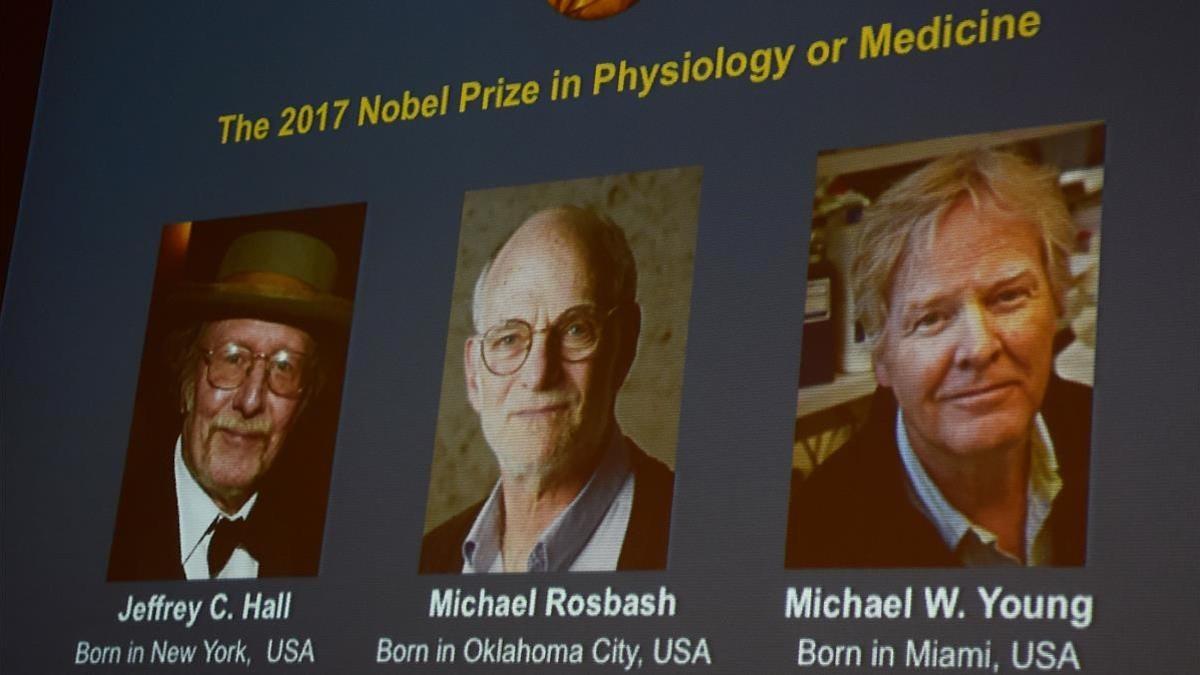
(974,452)
(556,322)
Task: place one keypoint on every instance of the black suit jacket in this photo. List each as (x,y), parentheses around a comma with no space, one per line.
(646,536)
(855,511)
(285,523)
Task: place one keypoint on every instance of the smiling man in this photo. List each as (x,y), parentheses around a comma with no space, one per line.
(974,452)
(556,330)
(210,503)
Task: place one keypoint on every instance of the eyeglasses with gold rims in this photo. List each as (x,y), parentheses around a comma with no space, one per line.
(574,336)
(230,364)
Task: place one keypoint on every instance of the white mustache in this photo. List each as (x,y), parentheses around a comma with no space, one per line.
(228,421)
(549,402)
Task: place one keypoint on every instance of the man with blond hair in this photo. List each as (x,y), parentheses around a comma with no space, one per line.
(974,452)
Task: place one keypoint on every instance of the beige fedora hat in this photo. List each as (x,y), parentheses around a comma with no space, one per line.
(273,275)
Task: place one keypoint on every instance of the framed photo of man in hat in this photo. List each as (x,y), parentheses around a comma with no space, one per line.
(231,443)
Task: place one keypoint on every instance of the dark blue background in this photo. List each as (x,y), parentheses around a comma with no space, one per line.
(126,140)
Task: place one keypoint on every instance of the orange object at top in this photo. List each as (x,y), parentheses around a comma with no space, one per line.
(591,9)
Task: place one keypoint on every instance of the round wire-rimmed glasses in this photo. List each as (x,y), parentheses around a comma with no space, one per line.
(230,364)
(574,336)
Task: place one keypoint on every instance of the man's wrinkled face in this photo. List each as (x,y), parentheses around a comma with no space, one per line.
(551,412)
(232,436)
(970,326)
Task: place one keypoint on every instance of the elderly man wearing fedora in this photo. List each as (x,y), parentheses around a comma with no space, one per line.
(207,501)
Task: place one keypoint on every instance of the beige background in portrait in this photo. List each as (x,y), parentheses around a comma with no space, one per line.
(658,210)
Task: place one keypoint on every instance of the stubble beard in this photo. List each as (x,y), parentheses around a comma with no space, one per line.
(572,453)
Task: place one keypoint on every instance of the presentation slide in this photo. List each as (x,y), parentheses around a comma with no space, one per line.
(577,336)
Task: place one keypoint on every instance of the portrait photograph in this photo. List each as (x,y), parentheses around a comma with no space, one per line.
(231,443)
(946,369)
(556,431)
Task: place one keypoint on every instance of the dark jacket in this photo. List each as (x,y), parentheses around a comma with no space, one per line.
(646,536)
(855,510)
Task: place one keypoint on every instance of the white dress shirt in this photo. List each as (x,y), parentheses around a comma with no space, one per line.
(197,514)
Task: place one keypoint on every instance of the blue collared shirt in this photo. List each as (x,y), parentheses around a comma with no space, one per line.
(586,536)
(980,545)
